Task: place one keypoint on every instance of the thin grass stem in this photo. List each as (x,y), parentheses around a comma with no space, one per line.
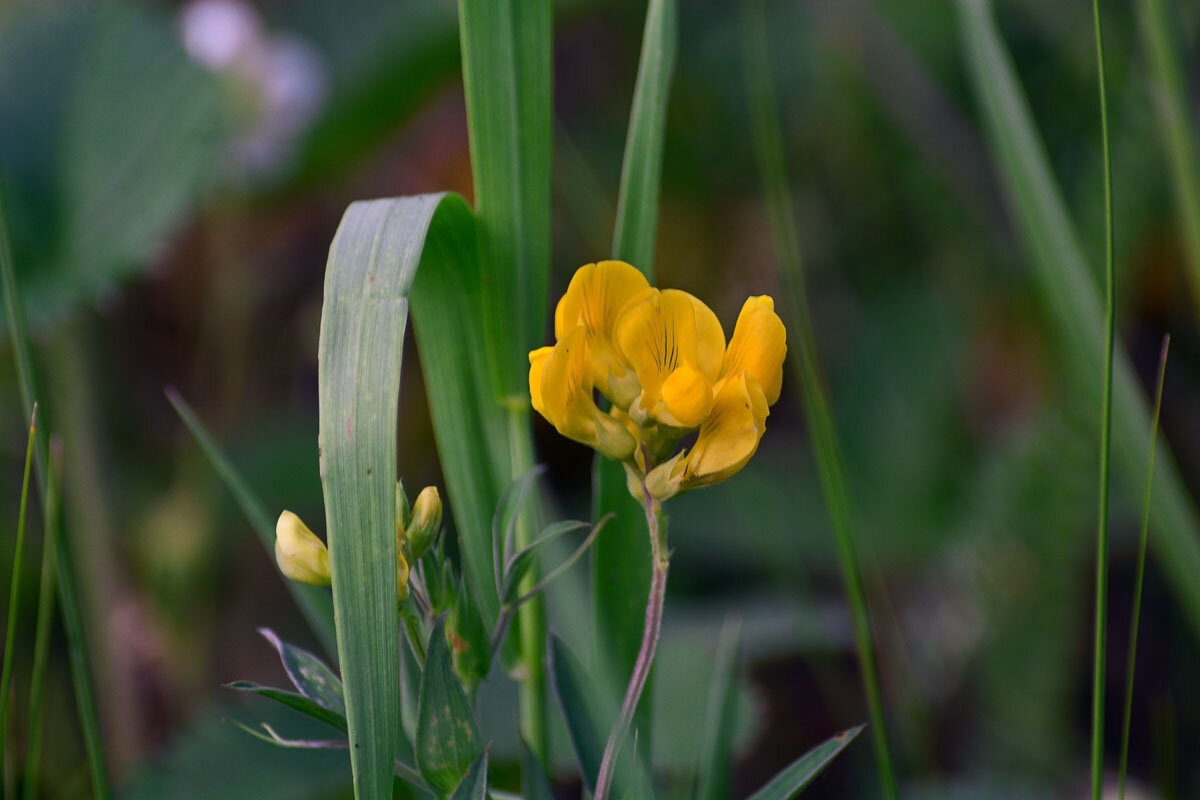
(1101,623)
(764,116)
(531,618)
(14,594)
(41,641)
(1136,613)
(23,355)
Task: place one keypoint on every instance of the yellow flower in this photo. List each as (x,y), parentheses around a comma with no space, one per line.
(676,347)
(560,386)
(661,358)
(426,521)
(300,554)
(402,570)
(594,299)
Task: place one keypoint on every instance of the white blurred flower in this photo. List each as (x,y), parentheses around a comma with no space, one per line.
(217,33)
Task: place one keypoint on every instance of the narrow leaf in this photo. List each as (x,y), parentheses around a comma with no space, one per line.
(315,603)
(298,702)
(309,674)
(504,522)
(716,750)
(799,773)
(518,563)
(448,738)
(271,737)
(474,784)
(534,783)
(1071,299)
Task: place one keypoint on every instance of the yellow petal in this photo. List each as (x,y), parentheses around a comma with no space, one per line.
(659,333)
(300,554)
(595,296)
(687,395)
(730,435)
(537,363)
(594,299)
(758,346)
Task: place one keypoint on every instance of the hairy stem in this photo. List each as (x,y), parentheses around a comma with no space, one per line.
(645,658)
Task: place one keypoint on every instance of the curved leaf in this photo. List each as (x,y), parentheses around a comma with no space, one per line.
(799,773)
(448,739)
(309,674)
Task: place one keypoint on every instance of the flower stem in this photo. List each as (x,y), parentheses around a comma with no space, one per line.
(645,658)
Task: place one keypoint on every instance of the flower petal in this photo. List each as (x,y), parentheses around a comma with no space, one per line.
(595,297)
(758,346)
(688,396)
(730,434)
(537,363)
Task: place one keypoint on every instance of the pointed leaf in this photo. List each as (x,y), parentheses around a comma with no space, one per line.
(309,674)
(447,735)
(716,752)
(799,773)
(534,783)
(299,702)
(519,563)
(473,786)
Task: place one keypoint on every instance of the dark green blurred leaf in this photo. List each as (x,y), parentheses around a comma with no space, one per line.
(447,734)
(474,784)
(534,783)
(305,705)
(714,767)
(311,675)
(799,773)
(504,521)
(471,652)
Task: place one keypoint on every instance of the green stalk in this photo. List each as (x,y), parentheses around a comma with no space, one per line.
(19,336)
(14,596)
(1141,571)
(531,617)
(1105,431)
(768,148)
(41,642)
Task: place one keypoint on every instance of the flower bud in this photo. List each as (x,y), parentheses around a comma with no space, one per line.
(426,521)
(402,571)
(403,512)
(300,554)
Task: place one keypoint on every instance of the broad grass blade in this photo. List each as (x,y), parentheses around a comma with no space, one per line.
(1071,298)
(315,603)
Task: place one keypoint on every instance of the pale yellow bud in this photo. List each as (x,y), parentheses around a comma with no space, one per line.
(402,570)
(300,554)
(426,521)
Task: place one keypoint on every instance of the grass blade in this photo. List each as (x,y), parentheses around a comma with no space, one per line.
(1101,631)
(373,262)
(18,332)
(800,773)
(1070,298)
(41,645)
(621,558)
(766,129)
(314,602)
(506,52)
(1178,131)
(1135,615)
(14,596)
(716,752)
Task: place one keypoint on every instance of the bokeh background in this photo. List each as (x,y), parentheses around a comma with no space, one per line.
(173,174)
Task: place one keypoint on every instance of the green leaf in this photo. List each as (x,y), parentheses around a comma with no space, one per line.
(589,713)
(315,603)
(799,773)
(716,752)
(621,558)
(534,783)
(305,705)
(447,735)
(1072,301)
(519,563)
(309,674)
(372,264)
(504,522)
(472,656)
(506,78)
(474,784)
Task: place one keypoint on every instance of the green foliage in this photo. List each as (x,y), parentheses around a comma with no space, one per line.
(448,739)
(1070,299)
(800,773)
(715,761)
(474,784)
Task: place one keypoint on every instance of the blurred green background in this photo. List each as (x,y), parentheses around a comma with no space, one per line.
(173,174)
